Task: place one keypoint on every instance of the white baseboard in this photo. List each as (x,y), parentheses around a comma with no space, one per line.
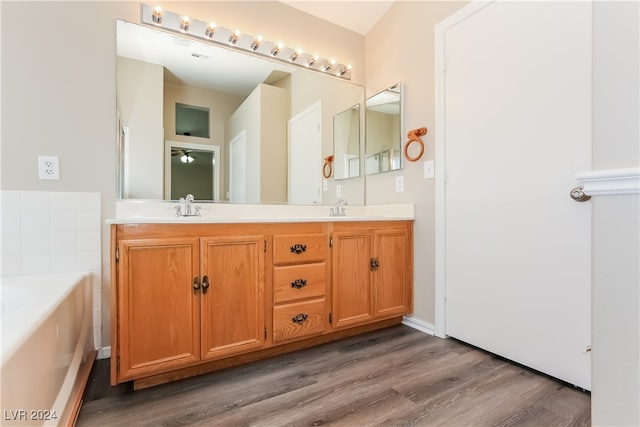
(419,325)
(104,352)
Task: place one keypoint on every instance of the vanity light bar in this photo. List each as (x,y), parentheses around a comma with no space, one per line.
(255,45)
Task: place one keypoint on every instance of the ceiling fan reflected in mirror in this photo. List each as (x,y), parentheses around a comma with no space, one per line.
(185,155)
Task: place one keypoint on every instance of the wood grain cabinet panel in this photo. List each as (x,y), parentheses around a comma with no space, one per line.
(391,293)
(299,248)
(232,300)
(158,311)
(184,300)
(293,282)
(372,272)
(298,320)
(352,299)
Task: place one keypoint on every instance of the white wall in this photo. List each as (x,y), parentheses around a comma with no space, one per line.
(615,399)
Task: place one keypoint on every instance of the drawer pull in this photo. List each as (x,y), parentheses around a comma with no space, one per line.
(298,248)
(299,318)
(374,264)
(299,283)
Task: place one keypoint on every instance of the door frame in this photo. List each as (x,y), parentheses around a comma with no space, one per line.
(440,209)
(215,149)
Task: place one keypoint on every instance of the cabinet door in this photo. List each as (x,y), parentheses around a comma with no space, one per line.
(390,285)
(352,299)
(158,315)
(233,302)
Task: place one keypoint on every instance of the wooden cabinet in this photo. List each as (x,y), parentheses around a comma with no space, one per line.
(183,300)
(232,295)
(158,310)
(299,286)
(372,272)
(191,298)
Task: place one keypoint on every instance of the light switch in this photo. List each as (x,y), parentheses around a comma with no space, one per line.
(338,190)
(428,169)
(325,185)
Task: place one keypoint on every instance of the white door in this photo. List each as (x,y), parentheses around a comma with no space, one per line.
(515,112)
(238,168)
(305,151)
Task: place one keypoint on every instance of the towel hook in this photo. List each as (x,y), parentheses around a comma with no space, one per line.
(414,136)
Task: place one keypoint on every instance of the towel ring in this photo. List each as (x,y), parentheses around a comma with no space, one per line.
(328,161)
(414,136)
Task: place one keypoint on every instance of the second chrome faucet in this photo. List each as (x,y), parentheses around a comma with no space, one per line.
(190,209)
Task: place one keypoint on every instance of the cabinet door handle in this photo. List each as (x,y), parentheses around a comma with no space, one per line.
(299,318)
(298,248)
(299,283)
(196,284)
(205,284)
(374,264)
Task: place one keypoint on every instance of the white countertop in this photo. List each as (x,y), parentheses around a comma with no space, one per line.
(163,212)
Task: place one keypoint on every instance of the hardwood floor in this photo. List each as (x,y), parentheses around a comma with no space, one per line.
(393,377)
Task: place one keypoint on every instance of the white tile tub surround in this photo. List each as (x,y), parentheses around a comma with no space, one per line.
(53,232)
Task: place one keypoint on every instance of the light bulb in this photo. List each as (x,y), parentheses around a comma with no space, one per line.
(211,29)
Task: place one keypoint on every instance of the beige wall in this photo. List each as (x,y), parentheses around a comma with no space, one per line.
(274,113)
(306,90)
(400,49)
(263,116)
(59,86)
(381,131)
(221,106)
(139,99)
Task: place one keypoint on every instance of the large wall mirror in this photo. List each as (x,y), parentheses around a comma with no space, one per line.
(256,130)
(383,121)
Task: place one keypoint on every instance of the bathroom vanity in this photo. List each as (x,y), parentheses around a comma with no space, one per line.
(192,295)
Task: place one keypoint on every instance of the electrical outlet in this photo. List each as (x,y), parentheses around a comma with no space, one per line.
(399,184)
(325,185)
(338,190)
(48,167)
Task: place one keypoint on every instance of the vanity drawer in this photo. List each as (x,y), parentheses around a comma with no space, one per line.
(299,248)
(294,282)
(292,321)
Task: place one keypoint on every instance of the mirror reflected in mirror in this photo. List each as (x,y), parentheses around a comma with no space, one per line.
(383,129)
(346,143)
(267,125)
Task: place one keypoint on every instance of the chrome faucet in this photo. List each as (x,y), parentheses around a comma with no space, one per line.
(190,209)
(339,209)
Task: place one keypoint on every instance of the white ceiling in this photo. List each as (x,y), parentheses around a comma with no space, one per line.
(356,15)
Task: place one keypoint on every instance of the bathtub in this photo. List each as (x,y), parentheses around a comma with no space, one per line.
(47,347)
